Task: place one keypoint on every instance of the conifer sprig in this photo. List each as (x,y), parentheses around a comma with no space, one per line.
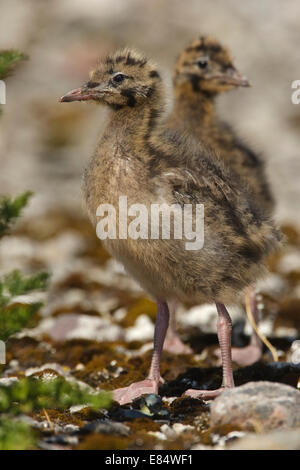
(9,59)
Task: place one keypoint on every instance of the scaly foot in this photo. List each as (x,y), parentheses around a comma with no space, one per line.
(204,394)
(128,394)
(243,356)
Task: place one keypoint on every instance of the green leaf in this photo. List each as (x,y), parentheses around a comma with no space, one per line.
(15,317)
(10,210)
(17,284)
(8,61)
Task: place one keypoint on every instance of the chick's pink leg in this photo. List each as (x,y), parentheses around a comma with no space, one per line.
(151,384)
(253,352)
(224,336)
(173,343)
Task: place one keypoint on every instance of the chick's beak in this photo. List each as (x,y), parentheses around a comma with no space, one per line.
(234,77)
(79,94)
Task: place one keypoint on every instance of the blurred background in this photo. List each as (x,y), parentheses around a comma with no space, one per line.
(44,145)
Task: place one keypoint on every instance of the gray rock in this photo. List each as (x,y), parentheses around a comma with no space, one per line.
(257,406)
(275,440)
(105,427)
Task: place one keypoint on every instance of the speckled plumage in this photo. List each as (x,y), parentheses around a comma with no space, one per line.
(150,164)
(203,70)
(138,157)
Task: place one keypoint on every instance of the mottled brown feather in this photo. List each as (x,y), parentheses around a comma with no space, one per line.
(138,156)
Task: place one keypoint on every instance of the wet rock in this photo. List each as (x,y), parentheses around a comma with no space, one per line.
(257,406)
(62,439)
(275,440)
(151,405)
(151,401)
(125,414)
(58,442)
(105,427)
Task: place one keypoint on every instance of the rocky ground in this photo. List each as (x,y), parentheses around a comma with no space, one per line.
(96,327)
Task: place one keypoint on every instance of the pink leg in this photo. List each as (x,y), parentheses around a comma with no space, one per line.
(149,385)
(224,336)
(253,352)
(173,343)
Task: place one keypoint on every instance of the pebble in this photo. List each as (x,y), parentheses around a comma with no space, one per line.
(51,366)
(152,405)
(79,326)
(295,352)
(204,317)
(142,330)
(57,441)
(173,431)
(7,381)
(105,427)
(257,406)
(125,414)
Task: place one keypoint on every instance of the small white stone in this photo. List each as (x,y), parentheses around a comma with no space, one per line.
(158,435)
(7,381)
(142,330)
(180,428)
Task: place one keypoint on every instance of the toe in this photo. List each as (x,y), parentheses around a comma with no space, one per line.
(135,390)
(203,394)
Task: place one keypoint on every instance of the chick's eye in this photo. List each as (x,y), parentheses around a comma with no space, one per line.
(202,64)
(119,78)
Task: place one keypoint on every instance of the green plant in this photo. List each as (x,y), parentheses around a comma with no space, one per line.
(31,394)
(15,435)
(8,61)
(10,210)
(16,315)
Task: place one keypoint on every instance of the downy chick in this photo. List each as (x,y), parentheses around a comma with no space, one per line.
(204,70)
(137,157)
